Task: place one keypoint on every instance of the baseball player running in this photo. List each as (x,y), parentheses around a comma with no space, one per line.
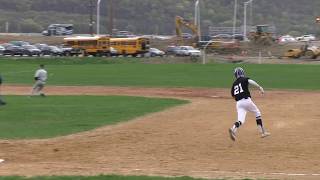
(240,92)
(40,78)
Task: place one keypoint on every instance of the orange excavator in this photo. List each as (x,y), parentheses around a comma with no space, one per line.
(180,22)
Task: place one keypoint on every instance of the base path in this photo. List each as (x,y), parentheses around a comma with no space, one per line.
(189,140)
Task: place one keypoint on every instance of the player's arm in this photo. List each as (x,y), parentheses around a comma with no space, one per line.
(252,82)
(232,91)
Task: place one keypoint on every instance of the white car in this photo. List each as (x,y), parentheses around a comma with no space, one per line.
(307,37)
(155,52)
(113,51)
(188,51)
(287,38)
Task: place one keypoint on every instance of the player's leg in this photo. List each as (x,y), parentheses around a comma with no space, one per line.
(241,118)
(241,111)
(40,88)
(36,88)
(253,108)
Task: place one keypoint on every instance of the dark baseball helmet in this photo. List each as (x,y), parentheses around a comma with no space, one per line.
(238,72)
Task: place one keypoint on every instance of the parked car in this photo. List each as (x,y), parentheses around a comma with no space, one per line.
(188,51)
(6,45)
(113,52)
(55,51)
(13,50)
(19,43)
(58,30)
(69,51)
(222,37)
(286,38)
(124,34)
(31,50)
(153,52)
(44,48)
(238,37)
(172,50)
(1,50)
(307,37)
(186,35)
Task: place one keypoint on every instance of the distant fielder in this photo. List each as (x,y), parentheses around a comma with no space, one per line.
(40,78)
(240,92)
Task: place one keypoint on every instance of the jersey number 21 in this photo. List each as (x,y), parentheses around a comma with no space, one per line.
(238,89)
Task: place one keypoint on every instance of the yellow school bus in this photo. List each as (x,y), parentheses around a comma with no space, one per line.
(92,45)
(130,46)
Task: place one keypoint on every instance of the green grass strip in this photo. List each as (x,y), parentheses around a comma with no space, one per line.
(97,71)
(37,117)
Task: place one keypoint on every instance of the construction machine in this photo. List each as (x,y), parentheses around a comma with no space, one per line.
(306,51)
(180,22)
(216,46)
(261,35)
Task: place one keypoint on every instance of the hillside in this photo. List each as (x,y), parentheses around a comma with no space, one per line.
(157,16)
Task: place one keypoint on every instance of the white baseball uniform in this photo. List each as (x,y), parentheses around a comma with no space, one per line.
(41,77)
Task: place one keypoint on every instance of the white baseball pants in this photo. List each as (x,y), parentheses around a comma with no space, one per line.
(244,106)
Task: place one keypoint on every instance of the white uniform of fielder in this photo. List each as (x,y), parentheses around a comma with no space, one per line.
(40,78)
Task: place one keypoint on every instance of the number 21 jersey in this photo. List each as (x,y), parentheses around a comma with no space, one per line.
(240,89)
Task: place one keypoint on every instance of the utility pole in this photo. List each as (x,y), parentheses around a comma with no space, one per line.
(251,13)
(197,19)
(245,19)
(111,22)
(91,7)
(234,18)
(98,17)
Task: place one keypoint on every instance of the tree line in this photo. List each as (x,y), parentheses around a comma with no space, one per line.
(157,16)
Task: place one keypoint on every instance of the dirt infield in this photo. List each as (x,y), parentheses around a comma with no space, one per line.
(189,140)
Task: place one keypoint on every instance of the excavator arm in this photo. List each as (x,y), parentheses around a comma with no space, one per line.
(180,22)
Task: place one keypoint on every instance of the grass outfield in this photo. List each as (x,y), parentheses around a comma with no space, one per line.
(37,117)
(119,72)
(111,177)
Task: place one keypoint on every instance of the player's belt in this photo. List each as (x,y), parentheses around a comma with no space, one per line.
(244,98)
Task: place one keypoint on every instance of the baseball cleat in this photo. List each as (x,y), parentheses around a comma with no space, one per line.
(265,135)
(232,135)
